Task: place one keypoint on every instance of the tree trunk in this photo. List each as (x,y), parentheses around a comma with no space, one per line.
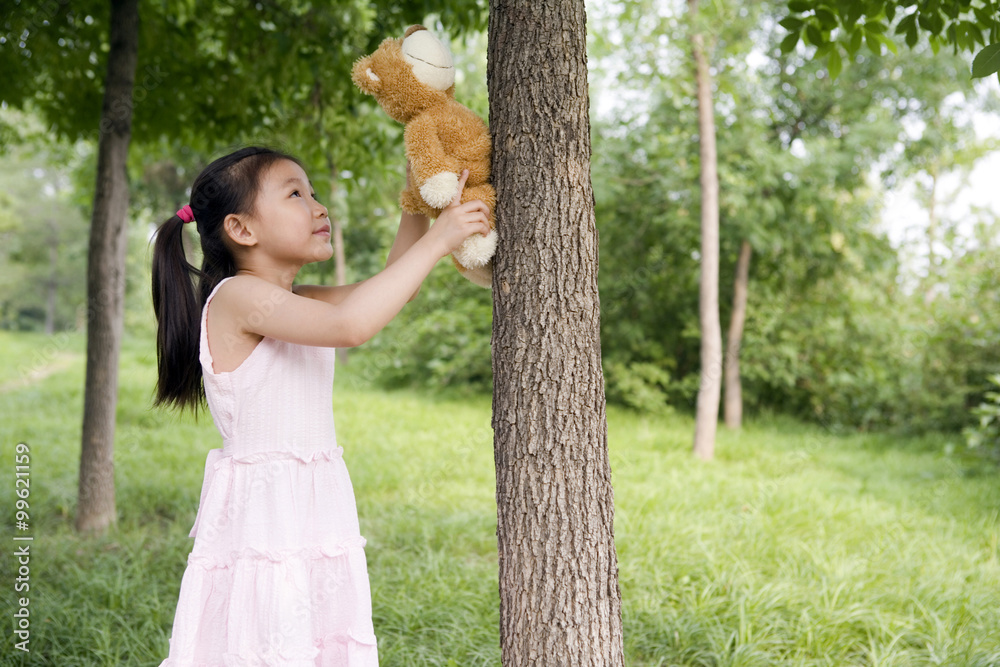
(707,417)
(559,598)
(52,285)
(733,404)
(337,235)
(932,222)
(106,275)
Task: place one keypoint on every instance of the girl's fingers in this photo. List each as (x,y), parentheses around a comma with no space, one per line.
(477,205)
(461,186)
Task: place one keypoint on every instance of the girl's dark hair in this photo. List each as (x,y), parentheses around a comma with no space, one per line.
(227,185)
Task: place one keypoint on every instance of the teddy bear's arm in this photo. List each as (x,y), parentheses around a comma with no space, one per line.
(435,171)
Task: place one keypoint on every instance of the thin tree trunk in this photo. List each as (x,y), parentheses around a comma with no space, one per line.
(106,276)
(52,285)
(733,403)
(932,222)
(559,598)
(707,417)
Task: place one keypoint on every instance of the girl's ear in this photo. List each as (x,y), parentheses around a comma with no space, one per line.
(238,230)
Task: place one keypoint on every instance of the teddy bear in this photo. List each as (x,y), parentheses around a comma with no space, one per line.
(413,79)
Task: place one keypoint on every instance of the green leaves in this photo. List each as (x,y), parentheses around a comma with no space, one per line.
(791,23)
(875,39)
(834,64)
(789,42)
(908,26)
(987,62)
(958,23)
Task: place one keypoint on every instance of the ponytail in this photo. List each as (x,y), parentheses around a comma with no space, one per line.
(178,315)
(228,185)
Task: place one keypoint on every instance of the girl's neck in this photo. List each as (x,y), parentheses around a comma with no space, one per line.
(282,277)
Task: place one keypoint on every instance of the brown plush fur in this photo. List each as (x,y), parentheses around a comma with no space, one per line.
(440,135)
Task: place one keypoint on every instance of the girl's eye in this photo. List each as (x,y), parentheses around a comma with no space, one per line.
(298,193)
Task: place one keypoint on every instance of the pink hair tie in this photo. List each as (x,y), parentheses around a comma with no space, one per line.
(185,213)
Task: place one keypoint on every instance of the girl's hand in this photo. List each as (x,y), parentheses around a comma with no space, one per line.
(459,221)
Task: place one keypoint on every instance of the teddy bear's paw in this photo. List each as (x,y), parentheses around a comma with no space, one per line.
(440,189)
(477,250)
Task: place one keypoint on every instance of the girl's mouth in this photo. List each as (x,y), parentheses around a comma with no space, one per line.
(323,231)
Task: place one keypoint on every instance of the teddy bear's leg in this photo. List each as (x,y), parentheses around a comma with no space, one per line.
(477,250)
(482,275)
(411,202)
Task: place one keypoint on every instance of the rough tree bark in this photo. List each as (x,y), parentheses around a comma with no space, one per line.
(559,598)
(733,402)
(106,276)
(710,388)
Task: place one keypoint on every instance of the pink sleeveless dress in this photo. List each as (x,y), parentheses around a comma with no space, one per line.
(277,574)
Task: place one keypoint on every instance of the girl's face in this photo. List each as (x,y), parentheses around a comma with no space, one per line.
(291,226)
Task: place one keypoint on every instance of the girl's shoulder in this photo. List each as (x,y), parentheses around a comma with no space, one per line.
(226,321)
(240,297)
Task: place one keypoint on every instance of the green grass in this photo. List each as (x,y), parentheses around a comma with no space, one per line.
(795,547)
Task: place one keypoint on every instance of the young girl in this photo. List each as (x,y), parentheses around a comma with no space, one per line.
(277,574)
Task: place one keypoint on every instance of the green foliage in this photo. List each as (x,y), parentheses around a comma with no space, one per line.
(986,432)
(43,237)
(836,330)
(986,62)
(795,547)
(441,339)
(844,25)
(201,76)
(788,206)
(212,76)
(861,350)
(638,385)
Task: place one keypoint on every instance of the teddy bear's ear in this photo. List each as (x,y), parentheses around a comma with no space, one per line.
(430,59)
(364,78)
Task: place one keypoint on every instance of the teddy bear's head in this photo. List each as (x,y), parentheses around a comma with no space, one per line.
(407,75)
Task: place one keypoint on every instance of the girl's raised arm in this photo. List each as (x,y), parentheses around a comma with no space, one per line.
(266,309)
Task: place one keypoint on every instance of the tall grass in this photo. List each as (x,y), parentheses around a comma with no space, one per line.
(795,547)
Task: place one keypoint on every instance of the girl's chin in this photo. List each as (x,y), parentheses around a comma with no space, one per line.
(322,254)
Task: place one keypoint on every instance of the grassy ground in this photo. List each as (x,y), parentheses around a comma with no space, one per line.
(796,547)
